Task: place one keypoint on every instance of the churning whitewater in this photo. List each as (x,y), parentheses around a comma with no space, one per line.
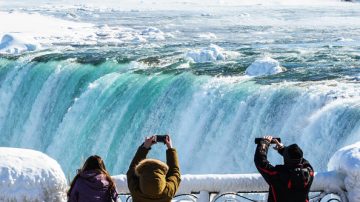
(97,81)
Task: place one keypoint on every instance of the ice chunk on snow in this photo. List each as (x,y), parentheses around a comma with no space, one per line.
(264,66)
(346,161)
(27,175)
(13,44)
(210,54)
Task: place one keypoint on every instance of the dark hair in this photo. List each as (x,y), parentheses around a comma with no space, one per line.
(94,163)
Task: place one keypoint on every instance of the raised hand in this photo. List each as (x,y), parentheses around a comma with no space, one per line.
(149,141)
(278,145)
(168,142)
(268,138)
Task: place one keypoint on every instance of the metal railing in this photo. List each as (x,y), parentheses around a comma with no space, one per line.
(327,187)
(240,197)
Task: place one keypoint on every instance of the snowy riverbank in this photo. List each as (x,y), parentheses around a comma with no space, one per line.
(27,175)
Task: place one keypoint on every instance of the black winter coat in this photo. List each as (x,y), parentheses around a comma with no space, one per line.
(279,178)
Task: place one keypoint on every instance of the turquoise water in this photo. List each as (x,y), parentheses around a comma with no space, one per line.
(105,98)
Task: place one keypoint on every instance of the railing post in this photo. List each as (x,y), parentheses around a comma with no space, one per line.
(204,196)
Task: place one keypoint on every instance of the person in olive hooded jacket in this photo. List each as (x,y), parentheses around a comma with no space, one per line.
(151,180)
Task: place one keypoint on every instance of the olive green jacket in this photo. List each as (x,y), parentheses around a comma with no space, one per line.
(172,178)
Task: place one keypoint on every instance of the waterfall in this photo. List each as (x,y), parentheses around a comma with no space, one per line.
(71,110)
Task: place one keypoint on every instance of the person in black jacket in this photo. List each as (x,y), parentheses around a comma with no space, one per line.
(290,182)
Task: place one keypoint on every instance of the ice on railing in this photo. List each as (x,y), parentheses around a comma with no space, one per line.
(329,182)
(346,162)
(28,175)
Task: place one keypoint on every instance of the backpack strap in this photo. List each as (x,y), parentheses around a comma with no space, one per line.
(298,177)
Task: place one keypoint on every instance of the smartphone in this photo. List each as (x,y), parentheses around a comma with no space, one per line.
(161,138)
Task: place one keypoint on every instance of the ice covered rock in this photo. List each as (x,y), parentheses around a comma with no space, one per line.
(13,44)
(346,161)
(264,66)
(210,54)
(28,175)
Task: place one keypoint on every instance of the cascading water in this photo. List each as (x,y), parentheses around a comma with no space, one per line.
(104,99)
(72,110)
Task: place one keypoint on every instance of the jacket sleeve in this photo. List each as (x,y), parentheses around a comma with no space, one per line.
(173,176)
(262,164)
(74,194)
(132,179)
(114,196)
(281,151)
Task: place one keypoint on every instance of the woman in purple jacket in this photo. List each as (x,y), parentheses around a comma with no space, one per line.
(92,183)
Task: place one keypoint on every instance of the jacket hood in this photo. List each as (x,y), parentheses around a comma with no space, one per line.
(293,155)
(152,176)
(95,179)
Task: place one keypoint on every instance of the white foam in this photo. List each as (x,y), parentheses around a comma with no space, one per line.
(13,44)
(139,39)
(357,77)
(208,35)
(154,33)
(210,54)
(346,161)
(27,175)
(264,66)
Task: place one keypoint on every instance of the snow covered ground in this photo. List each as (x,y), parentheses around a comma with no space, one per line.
(19,37)
(47,32)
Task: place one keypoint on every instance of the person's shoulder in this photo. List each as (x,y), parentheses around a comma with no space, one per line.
(306,164)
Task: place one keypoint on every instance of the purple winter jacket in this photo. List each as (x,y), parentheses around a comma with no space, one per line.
(91,186)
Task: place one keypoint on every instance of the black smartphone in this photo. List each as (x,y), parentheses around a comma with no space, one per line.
(257,140)
(161,138)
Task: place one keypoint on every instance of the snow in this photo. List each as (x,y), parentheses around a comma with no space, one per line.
(139,5)
(330,182)
(46,32)
(212,53)
(28,175)
(13,44)
(19,37)
(264,66)
(346,161)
